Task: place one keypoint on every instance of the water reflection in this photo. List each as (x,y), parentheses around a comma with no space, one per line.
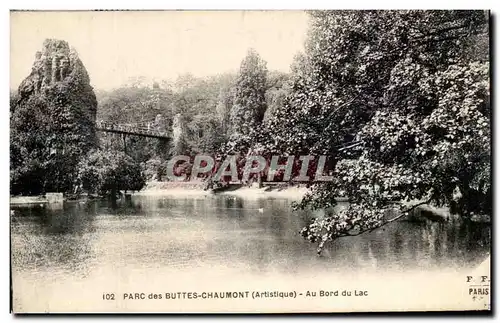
(217,232)
(54,237)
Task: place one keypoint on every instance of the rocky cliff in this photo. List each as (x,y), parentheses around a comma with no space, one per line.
(53,119)
(58,66)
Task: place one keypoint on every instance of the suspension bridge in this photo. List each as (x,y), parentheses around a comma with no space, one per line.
(142,129)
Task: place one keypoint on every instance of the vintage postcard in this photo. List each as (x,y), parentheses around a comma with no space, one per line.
(250,161)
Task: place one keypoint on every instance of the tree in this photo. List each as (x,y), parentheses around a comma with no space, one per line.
(400,102)
(202,103)
(107,172)
(195,112)
(155,169)
(225,101)
(135,104)
(249,104)
(277,89)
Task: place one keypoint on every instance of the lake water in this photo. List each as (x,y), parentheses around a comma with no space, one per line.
(85,246)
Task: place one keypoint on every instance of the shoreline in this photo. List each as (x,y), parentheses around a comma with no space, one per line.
(20,200)
(191,190)
(422,213)
(195,189)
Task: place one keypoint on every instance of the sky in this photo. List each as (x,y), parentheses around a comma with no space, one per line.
(116,46)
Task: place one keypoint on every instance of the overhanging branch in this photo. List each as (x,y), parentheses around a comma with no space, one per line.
(347,234)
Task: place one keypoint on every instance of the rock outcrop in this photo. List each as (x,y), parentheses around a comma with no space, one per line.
(52,120)
(179,133)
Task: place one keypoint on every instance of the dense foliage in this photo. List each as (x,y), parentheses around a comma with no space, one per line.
(400,101)
(107,172)
(249,106)
(135,104)
(52,122)
(210,110)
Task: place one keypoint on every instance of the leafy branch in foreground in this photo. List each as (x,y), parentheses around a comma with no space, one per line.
(350,222)
(400,101)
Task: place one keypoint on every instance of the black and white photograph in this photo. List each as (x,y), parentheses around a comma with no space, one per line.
(250,161)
